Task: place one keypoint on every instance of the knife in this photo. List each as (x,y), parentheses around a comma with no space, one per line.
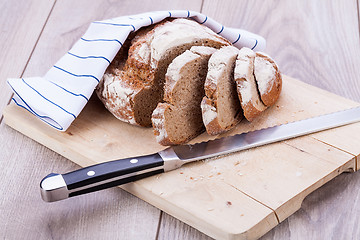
(56,187)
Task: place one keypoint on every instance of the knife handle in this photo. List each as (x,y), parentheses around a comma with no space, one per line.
(56,187)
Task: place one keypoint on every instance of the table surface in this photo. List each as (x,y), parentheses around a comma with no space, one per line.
(314,41)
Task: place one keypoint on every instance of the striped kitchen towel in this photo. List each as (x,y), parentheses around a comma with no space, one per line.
(59,96)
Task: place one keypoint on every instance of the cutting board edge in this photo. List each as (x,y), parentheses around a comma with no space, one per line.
(296,201)
(270,221)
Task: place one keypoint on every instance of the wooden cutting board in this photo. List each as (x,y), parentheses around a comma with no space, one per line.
(238,196)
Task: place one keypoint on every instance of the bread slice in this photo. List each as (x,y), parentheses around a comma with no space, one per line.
(131,91)
(246,85)
(179,119)
(268,77)
(221,106)
(258,82)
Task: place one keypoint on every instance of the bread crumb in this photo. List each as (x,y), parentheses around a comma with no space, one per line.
(210,209)
(228,203)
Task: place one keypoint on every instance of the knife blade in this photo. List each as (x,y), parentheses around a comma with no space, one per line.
(56,187)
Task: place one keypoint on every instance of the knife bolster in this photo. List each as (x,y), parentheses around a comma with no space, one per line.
(171,160)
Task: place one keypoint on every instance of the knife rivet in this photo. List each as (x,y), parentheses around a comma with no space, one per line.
(90,173)
(134,160)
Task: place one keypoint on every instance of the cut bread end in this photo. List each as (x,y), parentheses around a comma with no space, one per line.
(246,85)
(268,77)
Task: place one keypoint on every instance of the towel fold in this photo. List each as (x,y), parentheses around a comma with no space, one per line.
(59,96)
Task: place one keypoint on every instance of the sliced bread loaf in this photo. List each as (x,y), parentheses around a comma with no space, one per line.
(221,106)
(131,91)
(179,119)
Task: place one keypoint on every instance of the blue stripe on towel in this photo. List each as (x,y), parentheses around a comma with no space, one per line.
(116,24)
(79,94)
(204,20)
(76,75)
(48,99)
(152,22)
(237,39)
(222,28)
(169,14)
(188,14)
(101,40)
(255,44)
(89,57)
(33,112)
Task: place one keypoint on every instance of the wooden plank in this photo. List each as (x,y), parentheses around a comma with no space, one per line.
(111,214)
(209,205)
(330,212)
(344,138)
(283,184)
(20,25)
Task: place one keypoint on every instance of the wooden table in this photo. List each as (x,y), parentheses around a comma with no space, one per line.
(314,41)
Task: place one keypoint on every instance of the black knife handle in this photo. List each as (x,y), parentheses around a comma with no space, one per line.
(100,176)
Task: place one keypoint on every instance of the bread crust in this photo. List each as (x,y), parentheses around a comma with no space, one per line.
(158,122)
(210,118)
(271,90)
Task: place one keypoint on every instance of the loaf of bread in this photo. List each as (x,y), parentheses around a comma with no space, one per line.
(182,78)
(179,118)
(133,84)
(221,106)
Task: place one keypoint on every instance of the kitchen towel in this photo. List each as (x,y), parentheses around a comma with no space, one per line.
(59,96)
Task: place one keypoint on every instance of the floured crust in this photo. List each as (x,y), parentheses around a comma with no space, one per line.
(246,85)
(220,93)
(210,116)
(158,122)
(141,71)
(268,77)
